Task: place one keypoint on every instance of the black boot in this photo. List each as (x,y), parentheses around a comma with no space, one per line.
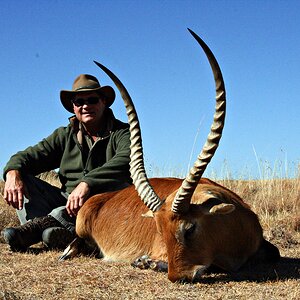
(21,237)
(58,238)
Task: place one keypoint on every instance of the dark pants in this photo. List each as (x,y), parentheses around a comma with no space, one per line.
(44,199)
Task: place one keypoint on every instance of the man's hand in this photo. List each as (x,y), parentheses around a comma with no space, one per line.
(77,198)
(14,189)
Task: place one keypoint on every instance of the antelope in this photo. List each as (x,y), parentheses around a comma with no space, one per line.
(182,226)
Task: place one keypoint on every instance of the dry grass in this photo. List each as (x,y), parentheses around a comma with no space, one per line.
(39,275)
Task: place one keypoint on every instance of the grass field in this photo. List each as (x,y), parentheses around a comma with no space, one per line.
(39,275)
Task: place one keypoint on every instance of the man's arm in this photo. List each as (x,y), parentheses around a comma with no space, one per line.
(44,156)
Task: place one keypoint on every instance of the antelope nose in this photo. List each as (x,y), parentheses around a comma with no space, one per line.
(199,271)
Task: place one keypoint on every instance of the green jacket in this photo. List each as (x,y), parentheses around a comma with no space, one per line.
(104,167)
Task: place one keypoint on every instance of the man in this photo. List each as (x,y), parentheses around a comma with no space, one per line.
(92,154)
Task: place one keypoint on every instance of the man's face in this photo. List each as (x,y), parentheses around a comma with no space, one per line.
(88,108)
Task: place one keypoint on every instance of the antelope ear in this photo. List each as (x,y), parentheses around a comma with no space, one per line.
(148,214)
(222,209)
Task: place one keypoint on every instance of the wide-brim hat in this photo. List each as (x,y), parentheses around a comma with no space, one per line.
(86,83)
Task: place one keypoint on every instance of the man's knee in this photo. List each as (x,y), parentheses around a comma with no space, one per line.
(61,215)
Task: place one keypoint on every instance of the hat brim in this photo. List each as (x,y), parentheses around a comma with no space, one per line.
(67,96)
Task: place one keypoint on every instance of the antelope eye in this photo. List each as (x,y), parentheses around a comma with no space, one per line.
(189,230)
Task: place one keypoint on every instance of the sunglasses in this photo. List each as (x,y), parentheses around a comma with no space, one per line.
(82,101)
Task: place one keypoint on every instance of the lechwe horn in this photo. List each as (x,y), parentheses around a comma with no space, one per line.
(137,169)
(183,197)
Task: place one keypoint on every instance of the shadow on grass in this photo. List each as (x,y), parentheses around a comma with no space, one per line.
(286,268)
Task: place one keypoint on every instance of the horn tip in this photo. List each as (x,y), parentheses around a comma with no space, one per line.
(191,32)
(98,64)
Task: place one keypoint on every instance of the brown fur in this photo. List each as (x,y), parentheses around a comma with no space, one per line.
(115,222)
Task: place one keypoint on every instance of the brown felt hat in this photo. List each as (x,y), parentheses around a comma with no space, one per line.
(86,83)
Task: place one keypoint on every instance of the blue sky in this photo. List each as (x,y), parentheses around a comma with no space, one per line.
(46,44)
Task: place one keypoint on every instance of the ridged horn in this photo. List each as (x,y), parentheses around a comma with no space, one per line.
(183,197)
(137,169)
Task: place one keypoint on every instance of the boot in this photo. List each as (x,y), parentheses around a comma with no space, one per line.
(21,237)
(58,238)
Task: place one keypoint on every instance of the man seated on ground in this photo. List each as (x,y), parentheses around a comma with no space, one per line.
(92,155)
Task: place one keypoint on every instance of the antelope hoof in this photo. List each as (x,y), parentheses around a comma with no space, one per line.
(145,262)
(72,249)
